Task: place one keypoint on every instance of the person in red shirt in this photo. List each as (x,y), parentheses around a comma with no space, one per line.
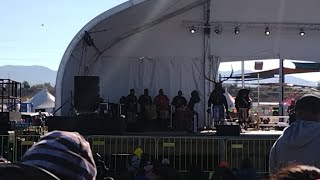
(162,103)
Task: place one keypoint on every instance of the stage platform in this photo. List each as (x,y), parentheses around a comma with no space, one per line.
(206,133)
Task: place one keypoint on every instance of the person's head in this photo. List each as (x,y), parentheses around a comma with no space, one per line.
(165,161)
(179,93)
(146,91)
(307,108)
(293,102)
(297,171)
(65,154)
(132,91)
(161,91)
(138,152)
(246,163)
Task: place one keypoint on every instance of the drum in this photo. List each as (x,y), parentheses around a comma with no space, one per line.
(179,118)
(150,112)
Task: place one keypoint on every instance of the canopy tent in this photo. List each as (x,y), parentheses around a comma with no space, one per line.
(148,44)
(43,100)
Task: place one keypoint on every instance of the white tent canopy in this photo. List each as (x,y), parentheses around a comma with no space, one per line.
(147,44)
(43,100)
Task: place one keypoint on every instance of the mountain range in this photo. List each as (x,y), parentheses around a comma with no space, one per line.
(289,79)
(40,74)
(32,74)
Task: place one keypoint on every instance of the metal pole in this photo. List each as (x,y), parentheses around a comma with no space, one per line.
(242,73)
(281,89)
(258,92)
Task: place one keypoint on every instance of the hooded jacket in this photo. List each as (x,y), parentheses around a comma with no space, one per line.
(300,143)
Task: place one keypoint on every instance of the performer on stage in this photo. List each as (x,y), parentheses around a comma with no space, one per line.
(219,105)
(148,111)
(179,102)
(191,113)
(131,107)
(243,104)
(144,100)
(162,103)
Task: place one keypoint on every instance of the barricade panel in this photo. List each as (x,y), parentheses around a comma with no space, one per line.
(116,150)
(257,150)
(22,144)
(5,147)
(187,152)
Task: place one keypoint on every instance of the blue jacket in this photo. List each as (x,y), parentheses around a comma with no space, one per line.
(299,143)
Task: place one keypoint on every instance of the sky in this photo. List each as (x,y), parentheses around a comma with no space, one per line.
(37,32)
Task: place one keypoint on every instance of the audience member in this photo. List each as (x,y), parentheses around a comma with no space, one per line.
(134,162)
(223,172)
(297,172)
(246,170)
(301,140)
(65,154)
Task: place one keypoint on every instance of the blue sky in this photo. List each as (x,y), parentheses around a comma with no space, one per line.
(37,32)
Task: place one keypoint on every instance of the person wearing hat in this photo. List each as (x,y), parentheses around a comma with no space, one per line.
(134,161)
(300,142)
(58,155)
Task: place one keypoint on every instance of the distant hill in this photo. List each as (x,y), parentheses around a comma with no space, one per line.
(288,79)
(32,74)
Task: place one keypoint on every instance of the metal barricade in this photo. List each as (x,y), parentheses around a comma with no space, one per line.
(187,152)
(22,144)
(5,147)
(257,150)
(117,150)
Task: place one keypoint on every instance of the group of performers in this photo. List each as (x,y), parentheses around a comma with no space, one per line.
(218,107)
(156,114)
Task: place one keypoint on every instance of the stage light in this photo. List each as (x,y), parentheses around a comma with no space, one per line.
(236,30)
(302,33)
(193,30)
(267,31)
(217,30)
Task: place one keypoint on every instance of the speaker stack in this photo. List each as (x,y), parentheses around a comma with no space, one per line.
(86,102)
(4,122)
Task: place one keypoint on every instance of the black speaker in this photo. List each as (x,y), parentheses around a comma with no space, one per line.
(4,122)
(228,130)
(86,93)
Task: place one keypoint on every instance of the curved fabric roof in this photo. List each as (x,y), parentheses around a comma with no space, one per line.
(147,43)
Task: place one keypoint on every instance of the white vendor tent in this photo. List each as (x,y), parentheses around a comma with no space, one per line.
(43,100)
(172,44)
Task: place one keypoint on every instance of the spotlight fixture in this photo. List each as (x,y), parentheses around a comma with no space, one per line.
(267,31)
(236,30)
(302,33)
(217,30)
(193,30)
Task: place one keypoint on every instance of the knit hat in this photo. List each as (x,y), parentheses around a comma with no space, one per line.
(138,152)
(65,154)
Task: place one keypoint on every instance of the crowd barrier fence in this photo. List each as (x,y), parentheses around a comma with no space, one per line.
(183,152)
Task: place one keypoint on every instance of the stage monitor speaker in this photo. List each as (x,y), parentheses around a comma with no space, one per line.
(86,93)
(228,130)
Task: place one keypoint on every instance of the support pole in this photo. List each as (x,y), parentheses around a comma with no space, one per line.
(281,88)
(242,73)
(206,61)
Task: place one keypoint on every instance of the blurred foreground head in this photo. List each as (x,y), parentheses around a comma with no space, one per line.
(65,154)
(307,108)
(297,171)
